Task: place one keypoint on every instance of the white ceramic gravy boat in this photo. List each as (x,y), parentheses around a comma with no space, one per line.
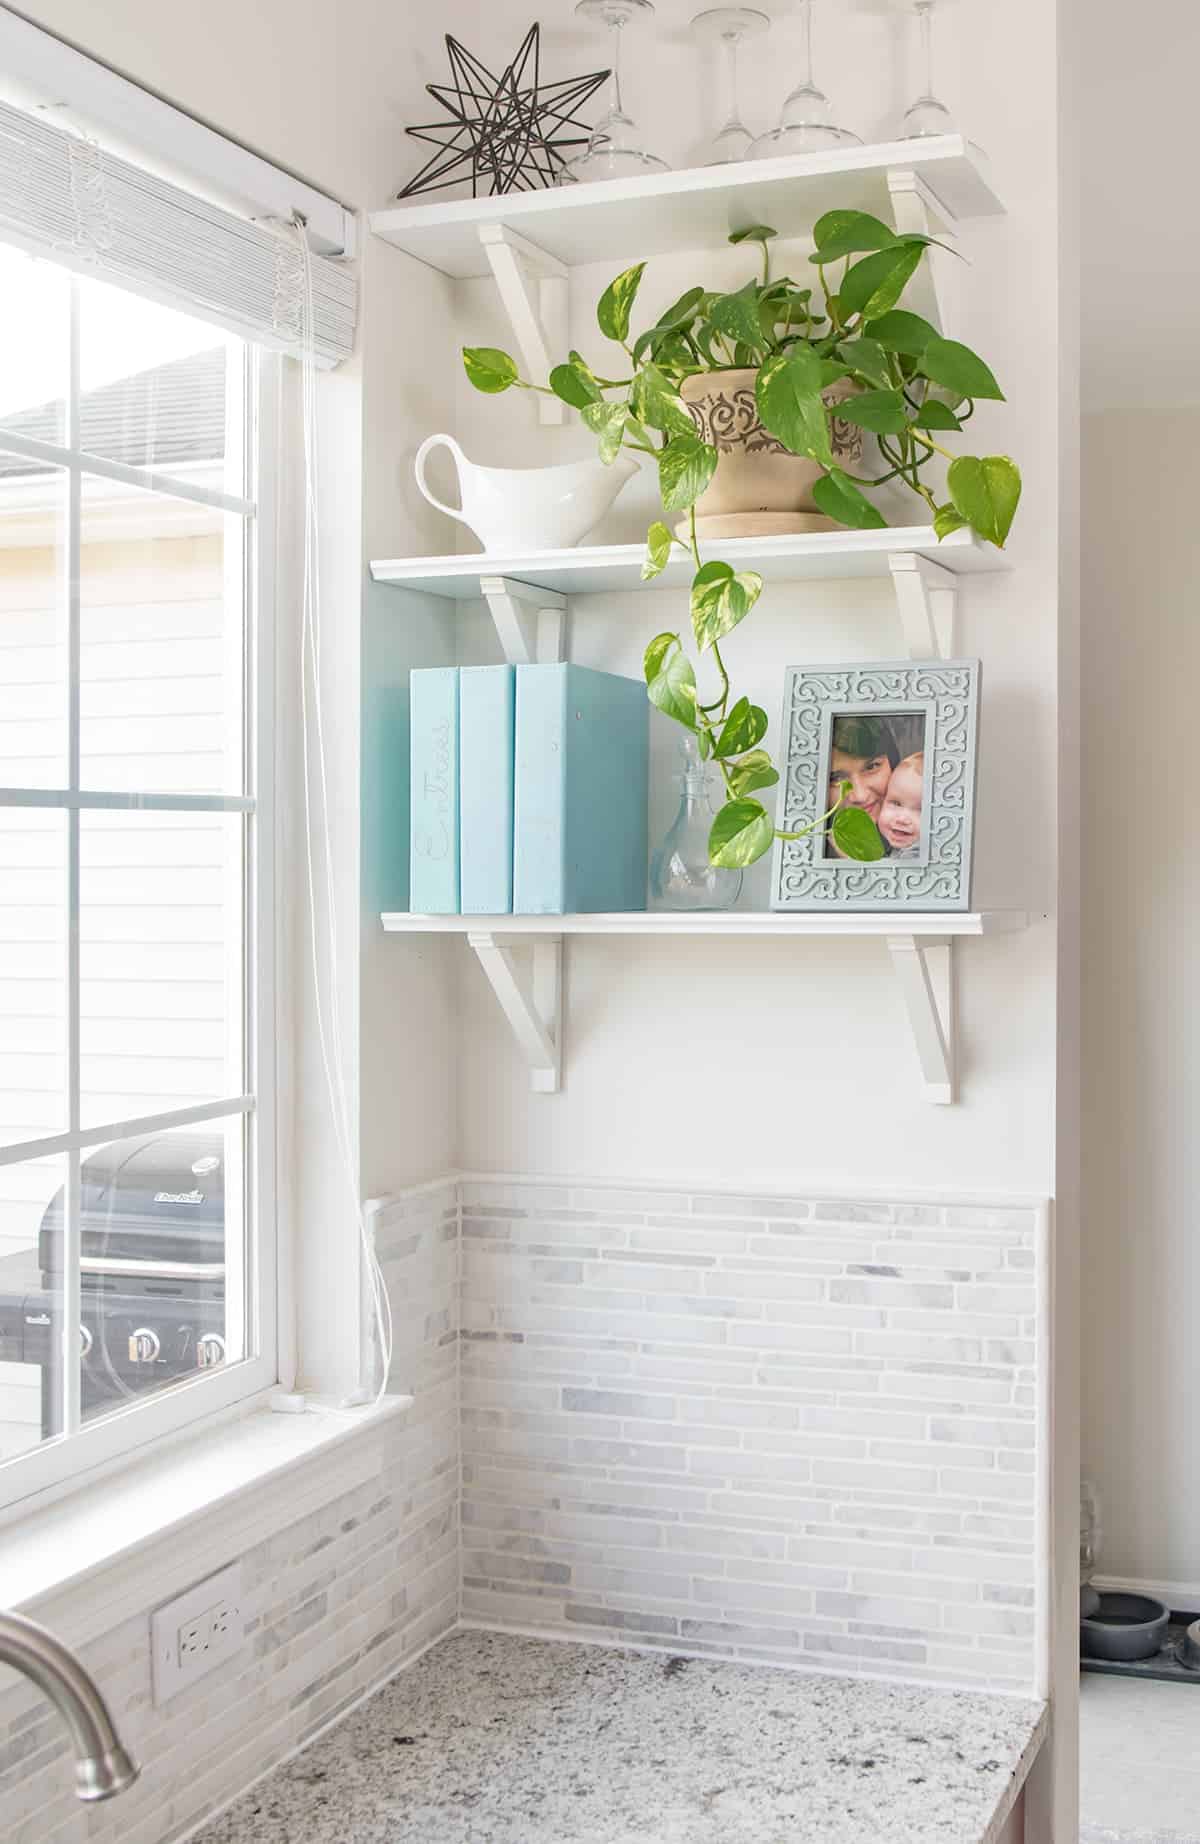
(528,508)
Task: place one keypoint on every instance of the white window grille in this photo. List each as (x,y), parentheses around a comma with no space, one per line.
(136,924)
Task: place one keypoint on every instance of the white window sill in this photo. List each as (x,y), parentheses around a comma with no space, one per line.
(116,1547)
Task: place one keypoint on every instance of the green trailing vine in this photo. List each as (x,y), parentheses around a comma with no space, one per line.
(898,379)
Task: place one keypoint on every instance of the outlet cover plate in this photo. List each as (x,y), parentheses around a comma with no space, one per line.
(197,1631)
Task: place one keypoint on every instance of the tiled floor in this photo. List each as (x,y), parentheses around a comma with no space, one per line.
(1139,1762)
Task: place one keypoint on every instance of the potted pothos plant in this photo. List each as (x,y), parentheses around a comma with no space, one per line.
(838,350)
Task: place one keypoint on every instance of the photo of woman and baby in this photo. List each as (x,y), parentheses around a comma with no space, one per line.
(883,759)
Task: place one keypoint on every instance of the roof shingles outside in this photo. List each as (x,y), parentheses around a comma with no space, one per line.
(172,415)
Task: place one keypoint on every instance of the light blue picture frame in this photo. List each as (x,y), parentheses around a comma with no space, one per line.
(946,694)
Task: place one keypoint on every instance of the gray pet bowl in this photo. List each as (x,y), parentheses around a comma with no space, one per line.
(1188,1650)
(1124,1627)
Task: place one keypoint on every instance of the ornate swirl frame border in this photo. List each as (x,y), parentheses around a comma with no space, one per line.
(948,692)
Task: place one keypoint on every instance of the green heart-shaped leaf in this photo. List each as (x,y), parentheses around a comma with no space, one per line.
(788,393)
(665,332)
(569,383)
(956,368)
(736,317)
(585,371)
(946,520)
(755,770)
(614,306)
(754,233)
(653,401)
(672,688)
(856,835)
(840,499)
(882,412)
(685,467)
(741,833)
(867,358)
(745,725)
(656,653)
(985,493)
(934,414)
(902,332)
(720,599)
(488,368)
(792,309)
(876,283)
(658,552)
(607,421)
(848,233)
(682,311)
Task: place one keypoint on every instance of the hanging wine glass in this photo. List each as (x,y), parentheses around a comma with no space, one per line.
(806,124)
(728,26)
(613,150)
(927,115)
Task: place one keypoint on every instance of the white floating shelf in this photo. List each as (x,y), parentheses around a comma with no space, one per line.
(691,210)
(921,948)
(605,569)
(723,922)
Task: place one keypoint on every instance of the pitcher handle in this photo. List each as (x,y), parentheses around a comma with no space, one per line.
(460,461)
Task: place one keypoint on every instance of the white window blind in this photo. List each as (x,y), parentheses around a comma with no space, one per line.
(62,195)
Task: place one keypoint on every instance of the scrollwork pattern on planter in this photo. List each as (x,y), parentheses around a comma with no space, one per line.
(727,418)
(946,694)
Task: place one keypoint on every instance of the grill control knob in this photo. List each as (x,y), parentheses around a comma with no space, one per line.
(85,1341)
(210,1350)
(144,1346)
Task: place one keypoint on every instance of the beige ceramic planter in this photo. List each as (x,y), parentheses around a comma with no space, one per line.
(760,487)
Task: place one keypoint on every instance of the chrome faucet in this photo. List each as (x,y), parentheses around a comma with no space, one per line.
(102,1767)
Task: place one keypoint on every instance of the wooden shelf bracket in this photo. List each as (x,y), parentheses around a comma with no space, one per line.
(534,1007)
(927,598)
(530,623)
(924,966)
(533,290)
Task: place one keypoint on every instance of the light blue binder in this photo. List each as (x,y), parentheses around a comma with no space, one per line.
(433,840)
(486,708)
(582,755)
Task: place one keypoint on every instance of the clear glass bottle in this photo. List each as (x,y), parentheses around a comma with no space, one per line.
(681,876)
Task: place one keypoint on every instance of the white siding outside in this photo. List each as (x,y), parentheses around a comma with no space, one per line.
(159,892)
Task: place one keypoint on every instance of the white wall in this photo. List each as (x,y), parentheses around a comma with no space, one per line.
(1141,439)
(822,1020)
(1141,1277)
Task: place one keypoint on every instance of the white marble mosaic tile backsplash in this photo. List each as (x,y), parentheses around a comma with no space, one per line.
(335,1602)
(796,1429)
(793,1429)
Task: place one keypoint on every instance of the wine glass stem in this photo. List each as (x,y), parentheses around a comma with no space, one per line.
(733,114)
(808,51)
(618,108)
(925,15)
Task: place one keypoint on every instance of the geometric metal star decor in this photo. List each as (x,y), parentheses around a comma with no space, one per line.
(511,130)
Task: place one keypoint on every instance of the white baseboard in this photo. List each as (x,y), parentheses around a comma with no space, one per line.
(1179,1596)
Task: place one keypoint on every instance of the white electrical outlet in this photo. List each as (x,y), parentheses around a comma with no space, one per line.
(196,1632)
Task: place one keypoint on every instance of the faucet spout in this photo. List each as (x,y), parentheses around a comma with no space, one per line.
(102,1766)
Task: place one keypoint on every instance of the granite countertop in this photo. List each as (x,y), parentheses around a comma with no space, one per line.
(492,1738)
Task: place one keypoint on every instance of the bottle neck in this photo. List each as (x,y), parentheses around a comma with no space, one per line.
(697,789)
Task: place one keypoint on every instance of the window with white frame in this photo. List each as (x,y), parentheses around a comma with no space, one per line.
(136,1263)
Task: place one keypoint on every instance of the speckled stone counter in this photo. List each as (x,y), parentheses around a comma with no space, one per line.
(496,1739)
